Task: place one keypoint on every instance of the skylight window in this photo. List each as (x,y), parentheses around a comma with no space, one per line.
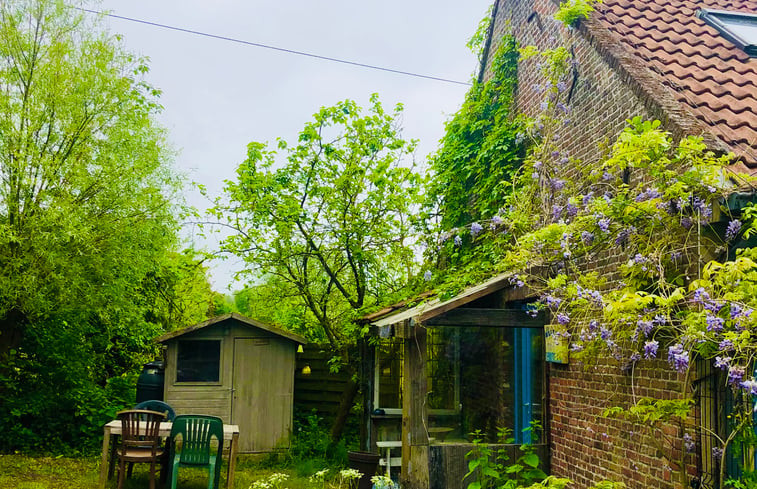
(737,27)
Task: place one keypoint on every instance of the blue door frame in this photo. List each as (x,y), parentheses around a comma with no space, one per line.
(523,384)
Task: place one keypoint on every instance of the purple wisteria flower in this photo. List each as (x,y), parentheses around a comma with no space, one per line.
(556,184)
(722,362)
(700,296)
(496,221)
(571,210)
(735,374)
(676,256)
(688,443)
(562,86)
(475,228)
(458,240)
(605,333)
(635,357)
(749,386)
(725,345)
(516,281)
(606,176)
(593,325)
(717,453)
(702,207)
(587,237)
(623,235)
(536,88)
(552,302)
(428,276)
(735,310)
(565,109)
(563,319)
(604,225)
(556,211)
(732,230)
(544,105)
(714,323)
(586,199)
(678,358)
(648,194)
(645,327)
(639,259)
(650,349)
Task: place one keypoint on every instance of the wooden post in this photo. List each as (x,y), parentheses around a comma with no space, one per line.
(414,412)
(104,459)
(367,366)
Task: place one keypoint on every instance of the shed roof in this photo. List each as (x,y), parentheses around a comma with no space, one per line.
(711,77)
(436,307)
(245,321)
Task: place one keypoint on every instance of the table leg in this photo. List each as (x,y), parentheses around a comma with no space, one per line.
(388,462)
(104,460)
(232,461)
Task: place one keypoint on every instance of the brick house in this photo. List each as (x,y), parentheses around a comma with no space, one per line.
(675,61)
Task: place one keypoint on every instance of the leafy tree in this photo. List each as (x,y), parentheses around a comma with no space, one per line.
(87,275)
(331,222)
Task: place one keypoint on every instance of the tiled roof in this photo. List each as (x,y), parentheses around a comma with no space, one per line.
(705,72)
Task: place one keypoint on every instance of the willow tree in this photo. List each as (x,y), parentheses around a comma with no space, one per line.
(329,217)
(86,212)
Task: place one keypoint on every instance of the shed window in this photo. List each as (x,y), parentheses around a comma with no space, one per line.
(738,27)
(198,361)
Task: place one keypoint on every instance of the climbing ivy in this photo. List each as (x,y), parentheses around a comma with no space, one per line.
(481,149)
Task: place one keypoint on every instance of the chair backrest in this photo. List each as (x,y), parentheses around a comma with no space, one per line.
(140,427)
(197,434)
(159,406)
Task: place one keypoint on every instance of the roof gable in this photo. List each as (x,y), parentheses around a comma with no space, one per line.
(243,320)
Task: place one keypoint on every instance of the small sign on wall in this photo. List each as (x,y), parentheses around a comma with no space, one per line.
(556,343)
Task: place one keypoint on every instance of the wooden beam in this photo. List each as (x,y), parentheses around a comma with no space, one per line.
(488,318)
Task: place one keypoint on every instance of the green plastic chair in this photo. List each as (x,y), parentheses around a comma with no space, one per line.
(194,450)
(159,406)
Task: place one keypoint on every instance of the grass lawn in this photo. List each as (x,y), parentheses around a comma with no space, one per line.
(25,472)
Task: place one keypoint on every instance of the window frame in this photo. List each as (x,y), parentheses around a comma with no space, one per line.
(176,380)
(718,19)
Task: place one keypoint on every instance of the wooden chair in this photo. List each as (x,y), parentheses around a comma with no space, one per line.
(140,441)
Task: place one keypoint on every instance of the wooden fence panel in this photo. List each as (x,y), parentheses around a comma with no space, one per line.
(320,390)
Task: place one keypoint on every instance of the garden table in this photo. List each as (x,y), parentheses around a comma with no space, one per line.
(388,460)
(230,434)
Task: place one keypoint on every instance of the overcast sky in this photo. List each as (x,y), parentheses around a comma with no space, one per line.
(219,95)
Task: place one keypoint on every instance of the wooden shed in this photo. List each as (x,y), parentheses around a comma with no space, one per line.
(239,369)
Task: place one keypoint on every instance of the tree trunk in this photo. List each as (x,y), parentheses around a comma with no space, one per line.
(345,404)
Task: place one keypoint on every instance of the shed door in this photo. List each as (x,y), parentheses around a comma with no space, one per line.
(262,384)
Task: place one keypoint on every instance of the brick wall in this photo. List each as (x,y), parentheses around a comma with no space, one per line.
(586,446)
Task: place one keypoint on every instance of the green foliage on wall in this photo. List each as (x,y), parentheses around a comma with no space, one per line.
(481,149)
